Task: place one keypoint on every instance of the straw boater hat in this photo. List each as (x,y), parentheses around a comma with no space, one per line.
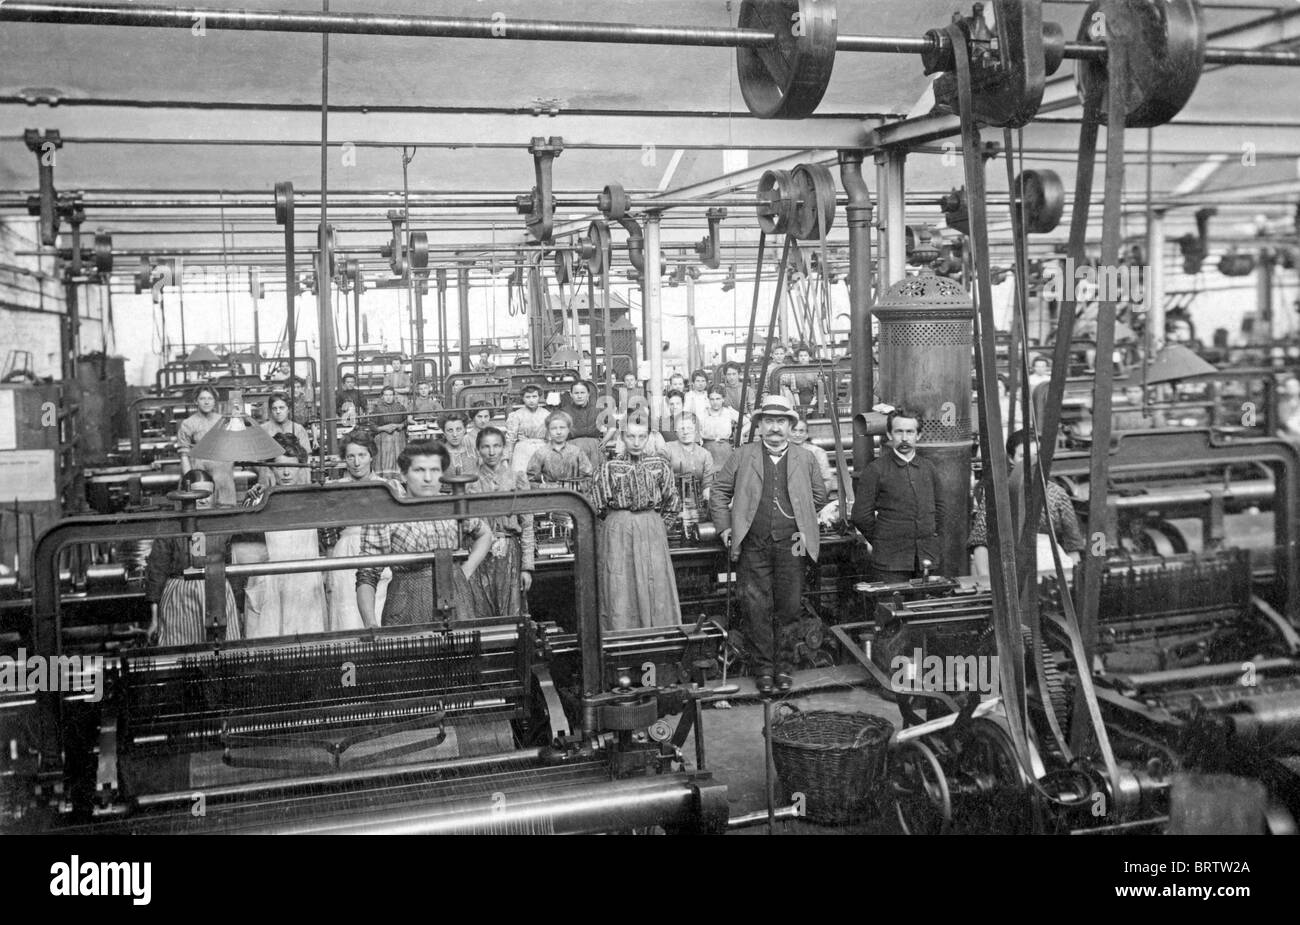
(776,407)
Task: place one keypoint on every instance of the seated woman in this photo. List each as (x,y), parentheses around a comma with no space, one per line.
(178,605)
(289,604)
(411,593)
(358,452)
(507,573)
(637,498)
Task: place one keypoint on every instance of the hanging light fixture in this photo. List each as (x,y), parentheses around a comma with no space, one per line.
(1175,362)
(236,438)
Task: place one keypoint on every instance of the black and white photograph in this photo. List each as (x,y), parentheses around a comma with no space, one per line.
(651,417)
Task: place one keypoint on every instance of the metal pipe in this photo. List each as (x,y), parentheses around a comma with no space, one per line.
(503,28)
(652,304)
(860,300)
(462,297)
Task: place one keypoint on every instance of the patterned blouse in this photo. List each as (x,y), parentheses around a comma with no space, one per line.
(503,478)
(1065,523)
(554,465)
(412,536)
(646,484)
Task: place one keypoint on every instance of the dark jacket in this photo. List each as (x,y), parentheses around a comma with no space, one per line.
(738,488)
(898,508)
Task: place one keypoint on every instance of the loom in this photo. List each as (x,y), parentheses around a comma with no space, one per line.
(488,725)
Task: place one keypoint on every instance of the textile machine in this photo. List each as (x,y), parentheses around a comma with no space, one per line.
(484,725)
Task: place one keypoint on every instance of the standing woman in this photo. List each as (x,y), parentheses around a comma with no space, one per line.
(587,434)
(289,604)
(388,420)
(696,401)
(358,452)
(193,429)
(410,595)
(526,429)
(637,499)
(178,605)
(507,573)
(716,426)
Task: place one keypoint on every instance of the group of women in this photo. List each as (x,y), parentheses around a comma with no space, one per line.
(633,477)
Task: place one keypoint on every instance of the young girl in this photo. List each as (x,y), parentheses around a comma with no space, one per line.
(358,453)
(559,460)
(482,419)
(716,426)
(193,429)
(696,401)
(507,572)
(388,419)
(526,429)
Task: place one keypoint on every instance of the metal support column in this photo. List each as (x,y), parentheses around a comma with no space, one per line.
(651,297)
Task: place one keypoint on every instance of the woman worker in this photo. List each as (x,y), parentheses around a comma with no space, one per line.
(193,429)
(388,420)
(637,499)
(358,452)
(179,605)
(507,573)
(292,603)
(411,593)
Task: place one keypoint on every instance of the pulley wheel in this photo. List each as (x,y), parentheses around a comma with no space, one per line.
(329,247)
(1165,42)
(989,756)
(563,267)
(814,201)
(787,79)
(417,250)
(776,202)
(283,202)
(921,795)
(598,254)
(613,201)
(103,253)
(1043,196)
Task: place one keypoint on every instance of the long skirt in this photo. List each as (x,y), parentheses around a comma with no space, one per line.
(341,585)
(411,597)
(720,450)
(499,578)
(390,447)
(524,449)
(291,604)
(590,446)
(181,613)
(638,587)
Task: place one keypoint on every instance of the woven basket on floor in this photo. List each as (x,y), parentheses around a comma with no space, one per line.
(836,760)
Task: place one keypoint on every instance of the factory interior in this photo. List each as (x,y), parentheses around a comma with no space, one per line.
(782,417)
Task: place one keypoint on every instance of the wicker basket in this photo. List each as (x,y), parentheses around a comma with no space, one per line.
(837,760)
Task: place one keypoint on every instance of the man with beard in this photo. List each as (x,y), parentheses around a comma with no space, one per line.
(899,504)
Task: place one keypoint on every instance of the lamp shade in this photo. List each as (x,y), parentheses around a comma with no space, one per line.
(202,354)
(1176,362)
(234,440)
